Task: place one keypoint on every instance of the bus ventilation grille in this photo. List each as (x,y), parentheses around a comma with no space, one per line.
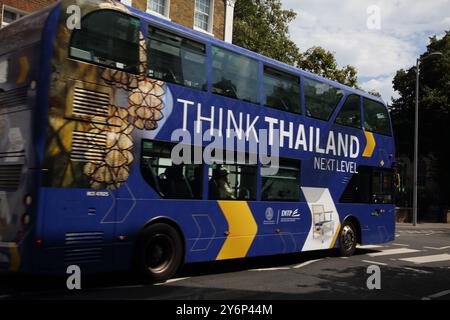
(10,177)
(88,146)
(90,104)
(13,98)
(79,247)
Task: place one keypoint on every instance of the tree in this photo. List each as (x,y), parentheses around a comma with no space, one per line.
(263,26)
(434,109)
(322,62)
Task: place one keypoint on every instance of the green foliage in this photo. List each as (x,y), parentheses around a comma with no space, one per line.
(434,97)
(434,109)
(263,26)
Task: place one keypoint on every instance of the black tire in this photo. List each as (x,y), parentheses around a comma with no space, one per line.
(159,252)
(347,239)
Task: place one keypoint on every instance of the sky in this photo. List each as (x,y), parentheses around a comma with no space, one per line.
(378,37)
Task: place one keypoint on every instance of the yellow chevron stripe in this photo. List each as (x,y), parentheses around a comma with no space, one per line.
(14,259)
(24,68)
(335,236)
(242,229)
(370,145)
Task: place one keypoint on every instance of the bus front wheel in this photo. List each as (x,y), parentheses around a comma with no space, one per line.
(348,239)
(159,252)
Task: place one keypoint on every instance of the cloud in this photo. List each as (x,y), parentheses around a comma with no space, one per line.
(383,85)
(341,27)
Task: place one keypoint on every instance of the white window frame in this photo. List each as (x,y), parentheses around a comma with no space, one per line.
(11,9)
(127,2)
(210,22)
(166,10)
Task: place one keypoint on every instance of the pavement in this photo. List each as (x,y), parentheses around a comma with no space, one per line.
(414,266)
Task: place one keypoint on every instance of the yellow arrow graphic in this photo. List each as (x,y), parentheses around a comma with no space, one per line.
(24,68)
(242,229)
(370,145)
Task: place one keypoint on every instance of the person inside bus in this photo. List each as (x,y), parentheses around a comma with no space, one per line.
(196,182)
(219,186)
(176,184)
(225,87)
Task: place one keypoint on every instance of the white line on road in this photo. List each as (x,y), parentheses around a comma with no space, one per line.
(392,251)
(305,263)
(370,246)
(441,248)
(271,269)
(437,295)
(428,259)
(171,281)
(400,244)
(417,270)
(375,262)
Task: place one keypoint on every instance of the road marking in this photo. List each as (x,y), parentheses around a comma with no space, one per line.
(392,251)
(441,248)
(170,281)
(437,295)
(417,270)
(375,262)
(400,244)
(397,235)
(428,259)
(271,269)
(370,246)
(305,263)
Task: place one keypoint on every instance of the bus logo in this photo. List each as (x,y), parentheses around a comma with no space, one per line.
(269,214)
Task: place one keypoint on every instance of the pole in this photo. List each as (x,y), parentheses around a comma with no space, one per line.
(416,145)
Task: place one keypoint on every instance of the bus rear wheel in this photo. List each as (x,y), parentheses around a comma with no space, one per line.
(348,239)
(159,252)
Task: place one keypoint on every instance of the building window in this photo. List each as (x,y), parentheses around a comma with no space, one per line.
(203,15)
(160,7)
(10,15)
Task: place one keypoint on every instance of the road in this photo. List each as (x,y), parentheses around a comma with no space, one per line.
(415,266)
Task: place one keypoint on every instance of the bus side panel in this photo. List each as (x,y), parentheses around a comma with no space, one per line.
(75,231)
(377,221)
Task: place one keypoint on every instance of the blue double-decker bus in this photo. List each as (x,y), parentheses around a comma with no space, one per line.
(113,131)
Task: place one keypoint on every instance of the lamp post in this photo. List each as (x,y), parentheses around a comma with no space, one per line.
(416,134)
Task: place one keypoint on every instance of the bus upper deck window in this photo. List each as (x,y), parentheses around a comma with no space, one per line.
(176,59)
(321,99)
(281,90)
(234,75)
(376,118)
(108,38)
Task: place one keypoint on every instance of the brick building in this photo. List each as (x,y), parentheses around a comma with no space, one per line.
(214,17)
